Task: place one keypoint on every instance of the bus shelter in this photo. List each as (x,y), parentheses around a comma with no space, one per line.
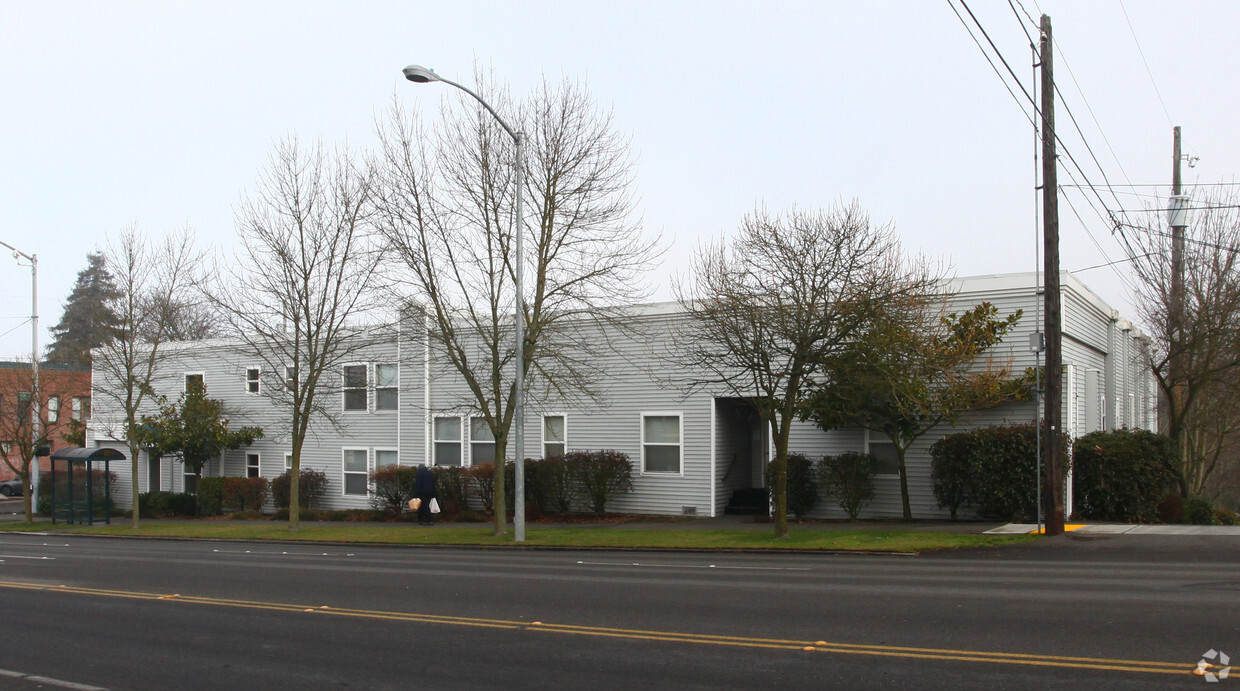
(78,489)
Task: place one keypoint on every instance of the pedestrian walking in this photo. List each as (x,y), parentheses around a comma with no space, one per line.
(424,489)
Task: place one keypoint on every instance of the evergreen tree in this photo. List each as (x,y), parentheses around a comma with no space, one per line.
(87,320)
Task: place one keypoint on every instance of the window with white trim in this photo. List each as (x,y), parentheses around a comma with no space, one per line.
(288,462)
(195,381)
(356,467)
(355,387)
(387,386)
(251,465)
(887,459)
(252,380)
(386,457)
(53,408)
(447,436)
(80,408)
(555,436)
(481,442)
(290,377)
(661,443)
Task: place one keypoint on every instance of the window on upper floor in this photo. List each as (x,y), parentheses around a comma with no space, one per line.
(387,386)
(252,382)
(355,380)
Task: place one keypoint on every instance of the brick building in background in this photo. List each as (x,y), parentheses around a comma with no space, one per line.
(64,397)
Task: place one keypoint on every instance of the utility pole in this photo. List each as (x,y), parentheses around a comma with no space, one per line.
(1051,474)
(1177,217)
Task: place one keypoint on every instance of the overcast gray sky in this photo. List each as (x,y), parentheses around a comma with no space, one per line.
(162,113)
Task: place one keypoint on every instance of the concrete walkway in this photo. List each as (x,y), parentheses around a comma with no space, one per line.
(1121,529)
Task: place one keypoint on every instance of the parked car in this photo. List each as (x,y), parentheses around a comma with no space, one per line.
(13,488)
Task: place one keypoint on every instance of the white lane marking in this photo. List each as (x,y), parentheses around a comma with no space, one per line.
(14,556)
(694,566)
(288,554)
(45,544)
(60,683)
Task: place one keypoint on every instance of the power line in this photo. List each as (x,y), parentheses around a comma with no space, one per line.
(1147,64)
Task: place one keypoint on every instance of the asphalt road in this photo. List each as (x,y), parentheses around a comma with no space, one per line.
(1107,612)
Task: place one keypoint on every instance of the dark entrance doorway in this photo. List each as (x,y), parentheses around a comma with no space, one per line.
(740,456)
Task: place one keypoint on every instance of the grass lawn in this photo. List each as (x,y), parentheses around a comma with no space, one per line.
(809,539)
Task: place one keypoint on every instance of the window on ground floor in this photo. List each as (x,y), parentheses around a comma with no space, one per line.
(884,453)
(251,465)
(447,436)
(555,436)
(661,443)
(386,457)
(356,466)
(481,442)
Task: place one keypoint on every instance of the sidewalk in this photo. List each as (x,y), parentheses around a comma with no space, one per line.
(1120,529)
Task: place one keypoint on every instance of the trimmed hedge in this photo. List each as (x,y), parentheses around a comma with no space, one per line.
(849,477)
(601,476)
(167,504)
(1122,475)
(991,468)
(802,485)
(311,489)
(393,488)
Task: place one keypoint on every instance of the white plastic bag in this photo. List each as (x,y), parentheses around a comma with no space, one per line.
(434,505)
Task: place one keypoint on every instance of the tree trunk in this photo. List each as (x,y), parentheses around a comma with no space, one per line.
(780,432)
(294,488)
(908,510)
(134,451)
(498,503)
(26,493)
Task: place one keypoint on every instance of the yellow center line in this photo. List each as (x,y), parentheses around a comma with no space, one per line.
(1062,661)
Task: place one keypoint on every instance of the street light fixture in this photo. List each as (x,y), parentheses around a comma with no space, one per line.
(34,367)
(420,75)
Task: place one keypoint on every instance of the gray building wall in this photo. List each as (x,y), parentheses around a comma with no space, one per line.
(722,448)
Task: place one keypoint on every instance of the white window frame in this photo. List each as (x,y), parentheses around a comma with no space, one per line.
(253,385)
(459,441)
(385,449)
(485,442)
(288,461)
(257,465)
(345,472)
(290,381)
(345,388)
(680,445)
(202,376)
(563,442)
(394,388)
(75,410)
(53,408)
(871,438)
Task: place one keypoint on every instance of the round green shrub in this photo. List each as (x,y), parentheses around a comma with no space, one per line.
(1122,475)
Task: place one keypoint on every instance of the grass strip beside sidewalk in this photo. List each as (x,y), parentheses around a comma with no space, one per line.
(898,541)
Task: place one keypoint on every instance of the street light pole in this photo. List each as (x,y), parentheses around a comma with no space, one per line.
(34,369)
(421,75)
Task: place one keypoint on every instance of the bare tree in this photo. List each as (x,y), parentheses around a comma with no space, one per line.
(18,440)
(771,307)
(1197,372)
(445,208)
(126,367)
(302,284)
(188,319)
